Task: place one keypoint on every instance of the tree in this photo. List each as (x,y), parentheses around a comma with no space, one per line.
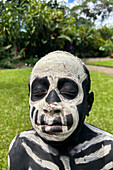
(93,8)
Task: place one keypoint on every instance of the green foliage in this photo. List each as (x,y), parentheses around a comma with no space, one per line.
(31,61)
(12,22)
(3,49)
(106,63)
(45,28)
(100,8)
(14,106)
(13,59)
(107,48)
(41,27)
(106,32)
(88,42)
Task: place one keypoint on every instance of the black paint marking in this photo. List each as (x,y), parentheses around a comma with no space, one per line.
(57,121)
(52,97)
(69,119)
(68,88)
(39,88)
(36,117)
(56,129)
(43,129)
(33,109)
(42,121)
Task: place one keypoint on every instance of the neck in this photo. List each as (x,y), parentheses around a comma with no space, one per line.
(70,141)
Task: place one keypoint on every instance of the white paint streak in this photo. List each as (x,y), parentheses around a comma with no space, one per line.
(59,63)
(66,162)
(8,161)
(94,156)
(108,166)
(39,141)
(41,162)
(99,138)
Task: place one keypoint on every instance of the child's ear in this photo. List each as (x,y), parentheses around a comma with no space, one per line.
(90,101)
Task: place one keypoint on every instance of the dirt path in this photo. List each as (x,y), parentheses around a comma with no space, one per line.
(106,70)
(96,59)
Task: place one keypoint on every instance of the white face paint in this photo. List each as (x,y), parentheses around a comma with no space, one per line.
(58,120)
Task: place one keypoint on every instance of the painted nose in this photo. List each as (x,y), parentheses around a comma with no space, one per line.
(52,97)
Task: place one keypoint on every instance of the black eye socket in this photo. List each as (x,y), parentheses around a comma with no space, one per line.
(39,88)
(68,88)
(39,93)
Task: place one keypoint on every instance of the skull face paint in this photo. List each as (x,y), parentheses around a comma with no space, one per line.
(55,92)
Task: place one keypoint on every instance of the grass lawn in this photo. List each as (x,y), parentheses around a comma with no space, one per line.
(14,112)
(107,63)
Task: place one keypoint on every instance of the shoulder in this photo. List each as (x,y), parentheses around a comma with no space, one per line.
(17,151)
(102,139)
(96,150)
(19,139)
(99,132)
(95,140)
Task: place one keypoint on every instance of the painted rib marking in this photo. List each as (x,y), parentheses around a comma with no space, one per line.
(39,141)
(66,162)
(41,162)
(93,141)
(108,166)
(94,156)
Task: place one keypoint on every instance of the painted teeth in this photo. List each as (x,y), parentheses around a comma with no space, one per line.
(64,128)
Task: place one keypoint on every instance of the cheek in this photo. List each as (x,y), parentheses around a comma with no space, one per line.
(69,119)
(82,109)
(35,106)
(33,115)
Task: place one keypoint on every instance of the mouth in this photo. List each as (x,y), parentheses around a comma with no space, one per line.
(54,129)
(56,125)
(51,128)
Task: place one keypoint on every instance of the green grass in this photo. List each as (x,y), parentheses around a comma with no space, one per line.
(101,114)
(106,63)
(14,112)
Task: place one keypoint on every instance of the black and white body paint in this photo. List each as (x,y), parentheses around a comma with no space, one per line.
(59,100)
(55,92)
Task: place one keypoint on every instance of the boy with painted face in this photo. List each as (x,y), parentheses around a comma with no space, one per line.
(59,100)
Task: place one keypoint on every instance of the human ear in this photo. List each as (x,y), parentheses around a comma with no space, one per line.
(90,101)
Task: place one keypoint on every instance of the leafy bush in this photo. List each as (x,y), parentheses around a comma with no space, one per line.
(13,58)
(106,32)
(3,49)
(34,26)
(107,48)
(41,27)
(87,42)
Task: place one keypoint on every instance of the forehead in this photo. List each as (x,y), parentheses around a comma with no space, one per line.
(59,64)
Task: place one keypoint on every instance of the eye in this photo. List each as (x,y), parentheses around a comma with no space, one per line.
(39,93)
(68,88)
(39,88)
(68,95)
